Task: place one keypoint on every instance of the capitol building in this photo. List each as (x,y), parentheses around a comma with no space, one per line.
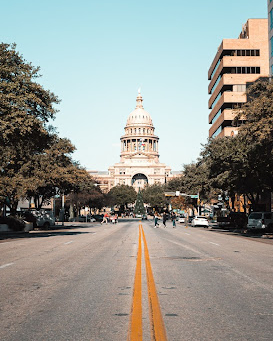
(139,158)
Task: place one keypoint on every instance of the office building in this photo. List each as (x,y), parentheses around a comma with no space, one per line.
(236,63)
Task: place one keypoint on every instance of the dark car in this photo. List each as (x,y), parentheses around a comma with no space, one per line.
(98,217)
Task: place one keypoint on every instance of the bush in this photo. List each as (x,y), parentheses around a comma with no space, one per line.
(13,223)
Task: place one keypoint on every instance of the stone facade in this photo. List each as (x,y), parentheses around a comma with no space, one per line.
(139,158)
(237,62)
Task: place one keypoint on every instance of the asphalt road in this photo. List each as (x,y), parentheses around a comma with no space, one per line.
(78,283)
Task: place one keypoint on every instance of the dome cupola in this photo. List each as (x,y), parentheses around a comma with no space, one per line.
(139,117)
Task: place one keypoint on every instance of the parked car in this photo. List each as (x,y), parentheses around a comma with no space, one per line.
(181,219)
(260,221)
(98,217)
(83,218)
(233,219)
(200,221)
(44,218)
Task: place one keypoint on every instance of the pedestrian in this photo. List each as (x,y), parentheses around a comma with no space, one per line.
(156,221)
(116,218)
(164,218)
(105,220)
(174,219)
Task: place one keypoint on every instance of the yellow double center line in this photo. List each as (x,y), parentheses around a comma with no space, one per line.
(158,332)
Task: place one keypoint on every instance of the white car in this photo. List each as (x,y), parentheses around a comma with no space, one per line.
(200,221)
(181,220)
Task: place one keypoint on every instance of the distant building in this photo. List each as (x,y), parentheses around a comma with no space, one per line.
(270,35)
(236,63)
(139,159)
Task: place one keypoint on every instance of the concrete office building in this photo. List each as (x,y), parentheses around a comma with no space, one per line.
(270,35)
(236,63)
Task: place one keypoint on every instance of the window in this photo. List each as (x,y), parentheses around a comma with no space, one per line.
(217,132)
(245,69)
(271,18)
(271,44)
(239,88)
(216,100)
(215,69)
(216,116)
(247,53)
(215,84)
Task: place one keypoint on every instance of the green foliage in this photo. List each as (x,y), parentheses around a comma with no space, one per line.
(154,196)
(193,180)
(121,195)
(33,160)
(13,223)
(139,206)
(243,164)
(86,194)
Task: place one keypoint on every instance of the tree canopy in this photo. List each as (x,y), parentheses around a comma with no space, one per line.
(122,195)
(34,161)
(154,196)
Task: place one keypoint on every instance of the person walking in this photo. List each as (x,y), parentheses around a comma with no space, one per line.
(174,219)
(164,219)
(105,220)
(156,221)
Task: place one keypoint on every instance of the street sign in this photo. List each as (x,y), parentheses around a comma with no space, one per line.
(194,196)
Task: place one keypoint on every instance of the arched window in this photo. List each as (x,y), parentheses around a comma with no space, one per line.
(143,130)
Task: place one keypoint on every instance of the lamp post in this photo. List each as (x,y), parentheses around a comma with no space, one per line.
(63,209)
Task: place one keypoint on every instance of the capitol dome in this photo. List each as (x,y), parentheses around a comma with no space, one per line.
(139,117)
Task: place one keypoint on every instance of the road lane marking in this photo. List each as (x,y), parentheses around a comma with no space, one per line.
(135,329)
(68,242)
(5,265)
(188,234)
(158,332)
(214,243)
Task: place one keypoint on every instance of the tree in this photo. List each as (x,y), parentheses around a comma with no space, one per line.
(122,195)
(194,180)
(154,196)
(139,206)
(243,164)
(257,132)
(87,194)
(25,110)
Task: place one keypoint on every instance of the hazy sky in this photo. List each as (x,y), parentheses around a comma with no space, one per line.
(96,54)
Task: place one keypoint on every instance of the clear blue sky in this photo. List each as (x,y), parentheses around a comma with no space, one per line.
(95,55)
